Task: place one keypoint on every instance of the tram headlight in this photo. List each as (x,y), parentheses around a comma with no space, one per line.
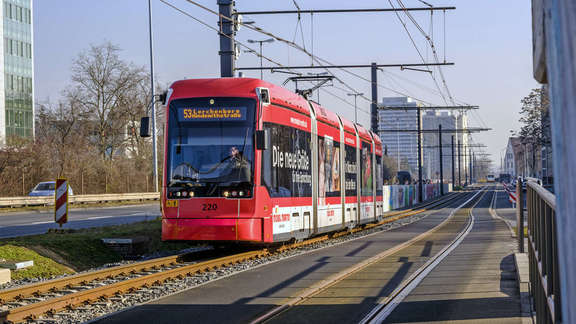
(226,194)
(191,193)
(178,194)
(241,193)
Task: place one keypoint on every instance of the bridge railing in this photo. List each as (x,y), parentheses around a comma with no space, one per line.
(77,199)
(543,253)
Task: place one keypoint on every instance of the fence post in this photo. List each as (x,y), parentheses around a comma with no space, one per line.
(520,215)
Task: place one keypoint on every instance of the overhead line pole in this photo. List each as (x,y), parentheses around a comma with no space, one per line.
(459,166)
(470,162)
(441,160)
(374,104)
(419,155)
(453,173)
(227,44)
(315,11)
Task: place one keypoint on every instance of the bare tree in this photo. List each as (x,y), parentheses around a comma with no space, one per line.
(101,84)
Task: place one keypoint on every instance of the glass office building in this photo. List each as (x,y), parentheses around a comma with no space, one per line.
(16,79)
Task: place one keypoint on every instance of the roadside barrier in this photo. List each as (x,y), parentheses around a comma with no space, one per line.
(77,199)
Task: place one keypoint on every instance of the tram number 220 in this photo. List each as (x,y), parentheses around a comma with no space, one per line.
(207,207)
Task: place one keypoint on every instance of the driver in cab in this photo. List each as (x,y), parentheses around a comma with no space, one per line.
(239,166)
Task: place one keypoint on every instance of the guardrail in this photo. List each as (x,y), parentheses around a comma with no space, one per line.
(77,199)
(543,253)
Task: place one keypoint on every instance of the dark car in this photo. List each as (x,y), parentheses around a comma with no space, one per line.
(404,177)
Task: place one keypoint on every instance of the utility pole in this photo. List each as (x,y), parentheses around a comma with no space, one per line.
(355,108)
(374,104)
(453,173)
(419,121)
(153,103)
(441,160)
(459,166)
(226,8)
(470,165)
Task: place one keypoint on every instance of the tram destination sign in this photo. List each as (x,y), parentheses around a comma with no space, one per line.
(212,114)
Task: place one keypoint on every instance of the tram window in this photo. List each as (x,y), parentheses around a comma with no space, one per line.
(286,165)
(350,166)
(366,170)
(329,167)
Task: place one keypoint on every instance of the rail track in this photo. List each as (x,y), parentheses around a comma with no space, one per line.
(281,313)
(32,301)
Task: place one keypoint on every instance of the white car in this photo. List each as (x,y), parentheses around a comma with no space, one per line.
(47,189)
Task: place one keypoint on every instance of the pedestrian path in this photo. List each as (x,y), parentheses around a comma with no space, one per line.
(476,283)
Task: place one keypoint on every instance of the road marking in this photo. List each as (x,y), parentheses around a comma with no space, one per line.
(35,223)
(98,217)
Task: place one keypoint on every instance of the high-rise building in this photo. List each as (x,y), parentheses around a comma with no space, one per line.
(431,157)
(401,145)
(16,79)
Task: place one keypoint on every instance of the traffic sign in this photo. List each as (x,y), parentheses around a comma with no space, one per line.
(61,202)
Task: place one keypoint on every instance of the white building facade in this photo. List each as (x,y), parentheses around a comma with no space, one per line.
(430,120)
(403,146)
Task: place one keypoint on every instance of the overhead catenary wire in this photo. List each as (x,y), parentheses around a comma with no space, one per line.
(417,50)
(432,46)
(250,50)
(253,51)
(296,46)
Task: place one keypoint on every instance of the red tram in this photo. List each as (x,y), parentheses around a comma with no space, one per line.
(246,160)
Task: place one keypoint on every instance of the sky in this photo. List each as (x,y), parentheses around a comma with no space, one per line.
(490,43)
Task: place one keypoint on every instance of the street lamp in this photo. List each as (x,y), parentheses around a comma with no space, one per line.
(252,41)
(153,103)
(355,108)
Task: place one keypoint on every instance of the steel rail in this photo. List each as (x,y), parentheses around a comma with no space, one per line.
(55,284)
(32,311)
(82,278)
(330,281)
(382,311)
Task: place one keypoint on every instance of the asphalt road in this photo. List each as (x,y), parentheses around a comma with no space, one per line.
(13,224)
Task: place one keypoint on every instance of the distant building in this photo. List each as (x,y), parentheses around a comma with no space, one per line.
(514,156)
(403,146)
(523,159)
(17,77)
(430,120)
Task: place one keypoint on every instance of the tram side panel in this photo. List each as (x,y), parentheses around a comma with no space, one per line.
(329,182)
(287,176)
(351,180)
(366,179)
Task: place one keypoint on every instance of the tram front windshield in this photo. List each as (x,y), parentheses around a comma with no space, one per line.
(210,145)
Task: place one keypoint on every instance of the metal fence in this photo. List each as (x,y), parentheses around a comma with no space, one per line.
(543,253)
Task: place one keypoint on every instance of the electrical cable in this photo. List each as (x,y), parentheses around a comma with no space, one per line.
(314,58)
(250,50)
(418,50)
(432,46)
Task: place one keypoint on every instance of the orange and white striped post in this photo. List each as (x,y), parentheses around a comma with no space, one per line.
(61,202)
